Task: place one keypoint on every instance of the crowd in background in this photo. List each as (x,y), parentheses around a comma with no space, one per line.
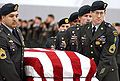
(36,31)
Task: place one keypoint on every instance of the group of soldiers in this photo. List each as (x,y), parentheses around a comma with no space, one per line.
(66,38)
(85,31)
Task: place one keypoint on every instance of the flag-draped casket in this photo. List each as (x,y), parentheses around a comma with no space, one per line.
(54,65)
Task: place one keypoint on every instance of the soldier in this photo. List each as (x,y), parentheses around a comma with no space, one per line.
(73,19)
(117,27)
(61,39)
(84,17)
(11,45)
(98,40)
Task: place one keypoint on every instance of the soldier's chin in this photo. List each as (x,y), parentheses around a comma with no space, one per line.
(14,26)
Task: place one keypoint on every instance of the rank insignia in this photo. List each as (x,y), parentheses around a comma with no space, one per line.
(97,42)
(2,54)
(102,71)
(115,33)
(112,48)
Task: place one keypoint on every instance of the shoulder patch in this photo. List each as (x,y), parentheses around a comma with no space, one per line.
(112,48)
(2,54)
(115,33)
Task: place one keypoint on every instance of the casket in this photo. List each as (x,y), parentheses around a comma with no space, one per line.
(54,65)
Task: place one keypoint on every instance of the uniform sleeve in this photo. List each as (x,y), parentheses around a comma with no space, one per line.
(67,34)
(57,44)
(7,68)
(107,58)
(79,41)
(47,44)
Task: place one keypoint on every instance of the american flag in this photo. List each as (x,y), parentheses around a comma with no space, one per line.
(54,65)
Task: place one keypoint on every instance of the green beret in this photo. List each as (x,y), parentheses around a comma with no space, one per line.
(84,10)
(98,5)
(63,21)
(73,16)
(8,8)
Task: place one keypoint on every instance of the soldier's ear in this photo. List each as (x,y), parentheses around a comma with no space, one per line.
(2,17)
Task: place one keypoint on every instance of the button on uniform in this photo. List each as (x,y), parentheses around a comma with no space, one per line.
(91,52)
(4,78)
(112,69)
(13,49)
(91,45)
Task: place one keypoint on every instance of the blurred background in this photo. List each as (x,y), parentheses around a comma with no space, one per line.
(60,8)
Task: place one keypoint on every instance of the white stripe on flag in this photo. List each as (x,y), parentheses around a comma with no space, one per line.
(85,64)
(45,61)
(37,79)
(66,63)
(30,71)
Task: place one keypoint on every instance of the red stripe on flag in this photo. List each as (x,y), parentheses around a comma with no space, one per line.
(92,70)
(76,65)
(29,79)
(58,71)
(35,63)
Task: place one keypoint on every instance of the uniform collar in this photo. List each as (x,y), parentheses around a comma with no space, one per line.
(97,26)
(10,29)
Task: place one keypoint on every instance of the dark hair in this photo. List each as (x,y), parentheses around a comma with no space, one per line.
(20,20)
(38,17)
(25,21)
(117,24)
(51,15)
(30,20)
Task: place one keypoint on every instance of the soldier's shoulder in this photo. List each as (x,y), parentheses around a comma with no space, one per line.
(109,26)
(111,29)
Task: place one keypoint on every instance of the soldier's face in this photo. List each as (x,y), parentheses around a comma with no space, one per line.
(85,19)
(64,27)
(76,21)
(11,20)
(98,16)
